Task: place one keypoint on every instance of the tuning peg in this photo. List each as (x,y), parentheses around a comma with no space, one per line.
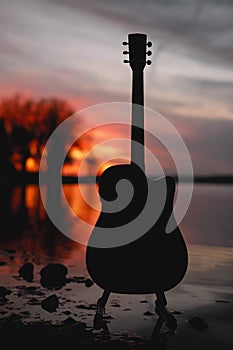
(149,53)
(125,43)
(149,44)
(126,61)
(125,52)
(148,62)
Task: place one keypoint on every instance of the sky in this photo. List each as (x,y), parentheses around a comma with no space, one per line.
(73,49)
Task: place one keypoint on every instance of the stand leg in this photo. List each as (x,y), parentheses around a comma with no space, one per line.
(157,328)
(164,315)
(98,319)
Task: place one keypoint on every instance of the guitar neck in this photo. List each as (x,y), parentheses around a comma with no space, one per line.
(137,128)
(137,59)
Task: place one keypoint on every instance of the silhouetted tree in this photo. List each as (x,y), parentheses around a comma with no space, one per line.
(5,151)
(25,126)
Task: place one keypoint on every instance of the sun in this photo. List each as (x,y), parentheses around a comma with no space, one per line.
(117,161)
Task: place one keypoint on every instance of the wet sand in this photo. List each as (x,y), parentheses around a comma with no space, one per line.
(205,295)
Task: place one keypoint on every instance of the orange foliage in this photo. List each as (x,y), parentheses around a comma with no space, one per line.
(38,116)
(27,124)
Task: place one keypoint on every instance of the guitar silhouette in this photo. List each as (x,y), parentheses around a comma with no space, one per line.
(155,261)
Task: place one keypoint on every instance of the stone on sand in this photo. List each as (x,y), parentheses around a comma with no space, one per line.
(53,275)
(50,304)
(26,272)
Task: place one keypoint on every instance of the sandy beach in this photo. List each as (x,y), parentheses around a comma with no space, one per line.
(202,304)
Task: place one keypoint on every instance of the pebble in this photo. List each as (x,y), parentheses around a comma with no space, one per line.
(33,301)
(69,321)
(176,312)
(198,323)
(50,304)
(4,291)
(53,275)
(148,313)
(26,272)
(86,307)
(89,283)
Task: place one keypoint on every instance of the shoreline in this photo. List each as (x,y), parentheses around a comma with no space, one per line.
(204,293)
(33,178)
(78,330)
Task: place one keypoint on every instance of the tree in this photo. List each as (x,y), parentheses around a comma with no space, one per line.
(25,126)
(5,151)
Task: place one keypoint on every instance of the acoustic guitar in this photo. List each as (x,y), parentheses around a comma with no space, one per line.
(155,261)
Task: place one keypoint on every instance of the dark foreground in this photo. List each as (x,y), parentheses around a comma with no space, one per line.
(70,332)
(38,309)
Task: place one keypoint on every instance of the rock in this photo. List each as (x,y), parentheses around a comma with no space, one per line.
(3,301)
(143,301)
(53,275)
(222,301)
(67,312)
(89,283)
(86,307)
(177,312)
(4,291)
(2,263)
(198,323)
(3,312)
(148,313)
(26,272)
(80,279)
(76,279)
(50,304)
(115,304)
(34,301)
(23,290)
(69,321)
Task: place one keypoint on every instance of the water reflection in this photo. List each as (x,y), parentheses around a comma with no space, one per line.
(208,220)
(27,227)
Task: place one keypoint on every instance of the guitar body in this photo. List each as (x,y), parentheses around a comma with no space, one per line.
(156,261)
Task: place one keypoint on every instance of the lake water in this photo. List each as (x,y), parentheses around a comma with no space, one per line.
(208,221)
(26,228)
(28,235)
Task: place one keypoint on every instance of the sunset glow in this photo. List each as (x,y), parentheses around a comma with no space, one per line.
(190,80)
(31,165)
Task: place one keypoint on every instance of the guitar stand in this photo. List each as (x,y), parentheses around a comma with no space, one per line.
(100,311)
(165,316)
(160,308)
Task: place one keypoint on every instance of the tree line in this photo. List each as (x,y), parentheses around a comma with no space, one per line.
(25,126)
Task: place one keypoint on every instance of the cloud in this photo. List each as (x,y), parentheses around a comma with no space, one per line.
(73,49)
(204,28)
(210,144)
(81,41)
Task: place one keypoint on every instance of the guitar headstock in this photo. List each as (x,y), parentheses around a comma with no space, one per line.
(137,44)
